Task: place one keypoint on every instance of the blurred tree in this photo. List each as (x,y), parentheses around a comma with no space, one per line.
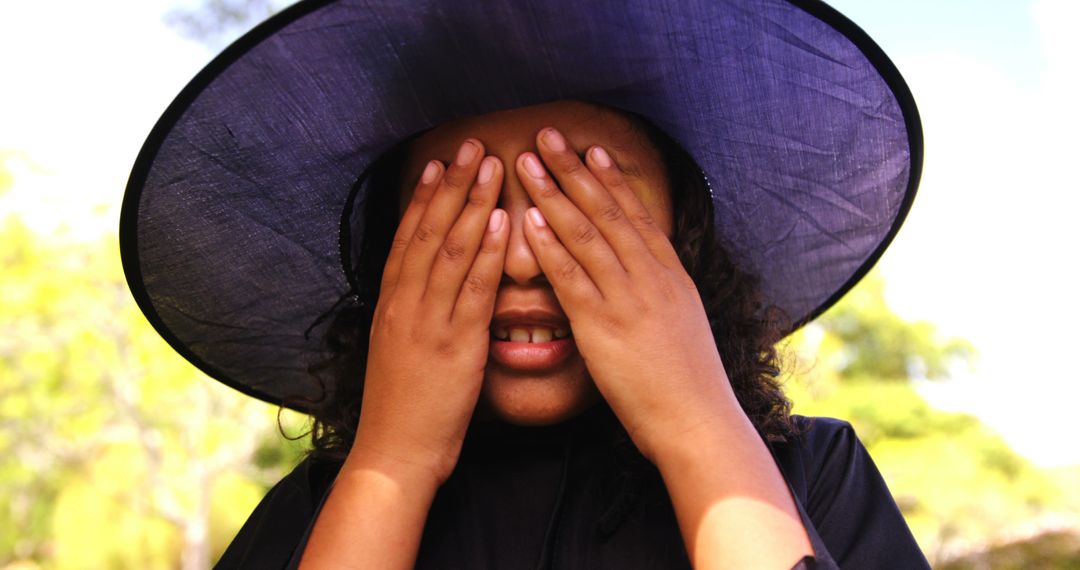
(114,452)
(872,341)
(960,486)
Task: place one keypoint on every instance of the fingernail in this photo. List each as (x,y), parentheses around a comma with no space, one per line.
(554,140)
(536,217)
(430,172)
(533,166)
(600,157)
(467,153)
(487,170)
(495,221)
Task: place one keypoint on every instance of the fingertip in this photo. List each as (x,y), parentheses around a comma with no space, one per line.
(530,165)
(487,171)
(469,150)
(496,220)
(600,157)
(431,172)
(496,236)
(535,217)
(551,138)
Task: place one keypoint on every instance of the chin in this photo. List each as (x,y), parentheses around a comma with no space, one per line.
(537,399)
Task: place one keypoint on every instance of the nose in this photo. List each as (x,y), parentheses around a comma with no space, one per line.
(521,266)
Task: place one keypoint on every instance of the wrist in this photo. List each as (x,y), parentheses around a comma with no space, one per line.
(374,515)
(405,471)
(724,433)
(713,421)
(726,488)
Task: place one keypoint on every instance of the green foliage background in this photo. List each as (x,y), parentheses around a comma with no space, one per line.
(967,496)
(114,451)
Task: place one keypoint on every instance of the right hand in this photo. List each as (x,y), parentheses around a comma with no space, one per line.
(430,332)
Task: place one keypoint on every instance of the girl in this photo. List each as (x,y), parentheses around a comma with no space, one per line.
(546,355)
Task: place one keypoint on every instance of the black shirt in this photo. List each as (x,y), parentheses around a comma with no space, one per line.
(561,497)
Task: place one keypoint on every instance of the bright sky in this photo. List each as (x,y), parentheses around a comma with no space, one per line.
(987,252)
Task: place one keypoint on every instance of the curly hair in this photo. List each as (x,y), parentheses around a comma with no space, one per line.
(744,328)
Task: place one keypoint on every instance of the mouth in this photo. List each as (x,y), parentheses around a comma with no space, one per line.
(532,347)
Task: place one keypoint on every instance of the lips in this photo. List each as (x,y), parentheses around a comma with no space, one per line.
(530,340)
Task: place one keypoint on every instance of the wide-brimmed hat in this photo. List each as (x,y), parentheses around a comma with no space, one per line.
(236,219)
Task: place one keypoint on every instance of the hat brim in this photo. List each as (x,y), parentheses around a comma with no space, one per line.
(230,226)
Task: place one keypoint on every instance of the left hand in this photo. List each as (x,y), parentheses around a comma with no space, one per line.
(636,315)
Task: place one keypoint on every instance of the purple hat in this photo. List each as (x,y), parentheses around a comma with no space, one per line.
(236,219)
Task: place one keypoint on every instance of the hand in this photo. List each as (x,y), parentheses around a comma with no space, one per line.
(429,336)
(636,315)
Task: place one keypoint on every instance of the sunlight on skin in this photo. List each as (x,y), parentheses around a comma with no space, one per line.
(727,490)
(728,518)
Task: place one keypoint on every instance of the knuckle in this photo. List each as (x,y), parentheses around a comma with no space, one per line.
(569,270)
(610,212)
(616,183)
(583,233)
(549,190)
(668,290)
(610,322)
(418,335)
(452,250)
(571,165)
(687,282)
(445,347)
(425,232)
(399,243)
(476,285)
(455,180)
(641,219)
(675,288)
(476,200)
(389,315)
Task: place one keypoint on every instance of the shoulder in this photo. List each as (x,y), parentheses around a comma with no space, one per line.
(818,432)
(280,521)
(315,476)
(305,485)
(827,464)
(845,497)
(818,444)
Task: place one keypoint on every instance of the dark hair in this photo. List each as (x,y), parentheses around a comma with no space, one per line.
(744,329)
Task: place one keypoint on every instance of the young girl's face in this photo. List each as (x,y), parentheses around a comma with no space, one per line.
(557,387)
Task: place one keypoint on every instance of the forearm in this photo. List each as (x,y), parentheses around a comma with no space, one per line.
(373,518)
(732,503)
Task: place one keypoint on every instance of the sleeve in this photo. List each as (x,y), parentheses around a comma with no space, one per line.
(277,530)
(848,511)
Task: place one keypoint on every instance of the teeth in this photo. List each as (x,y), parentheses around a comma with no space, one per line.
(541,335)
(530,334)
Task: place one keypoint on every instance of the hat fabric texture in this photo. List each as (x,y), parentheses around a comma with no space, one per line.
(232,219)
